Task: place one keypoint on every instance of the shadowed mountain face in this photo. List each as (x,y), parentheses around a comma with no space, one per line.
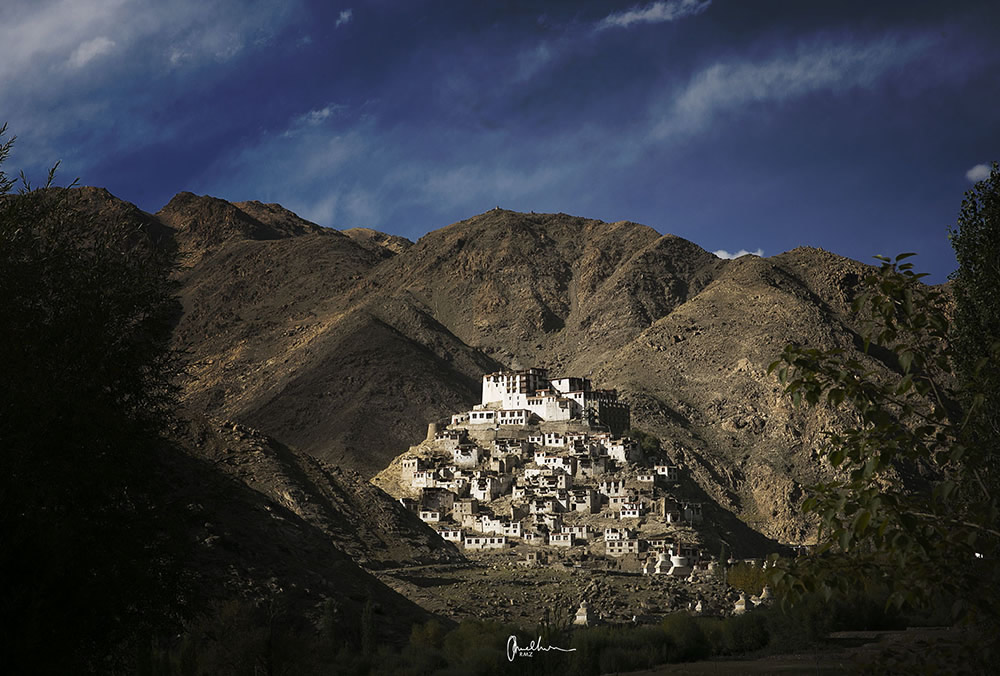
(263,521)
(345,345)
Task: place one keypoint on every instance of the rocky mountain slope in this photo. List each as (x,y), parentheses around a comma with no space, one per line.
(345,345)
(265,522)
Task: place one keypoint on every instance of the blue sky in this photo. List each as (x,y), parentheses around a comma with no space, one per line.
(758,126)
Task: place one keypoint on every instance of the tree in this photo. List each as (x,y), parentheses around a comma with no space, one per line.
(87,310)
(913,506)
(976,240)
(909,509)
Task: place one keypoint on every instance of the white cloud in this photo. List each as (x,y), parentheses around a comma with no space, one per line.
(722,253)
(63,62)
(345,17)
(978,173)
(90,50)
(311,167)
(313,118)
(812,67)
(657,12)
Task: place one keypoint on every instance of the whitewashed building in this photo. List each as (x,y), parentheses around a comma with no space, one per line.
(621,547)
(466,456)
(475,542)
(451,535)
(578,532)
(532,537)
(631,510)
(584,500)
(668,472)
(561,540)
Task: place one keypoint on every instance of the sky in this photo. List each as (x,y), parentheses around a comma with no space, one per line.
(743,126)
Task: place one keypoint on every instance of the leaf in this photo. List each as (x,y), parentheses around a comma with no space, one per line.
(861,522)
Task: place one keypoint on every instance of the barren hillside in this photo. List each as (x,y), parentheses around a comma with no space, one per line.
(346,345)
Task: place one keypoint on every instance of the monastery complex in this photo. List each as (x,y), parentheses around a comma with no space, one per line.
(546,467)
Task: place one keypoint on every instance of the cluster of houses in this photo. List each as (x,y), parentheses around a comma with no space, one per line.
(553,451)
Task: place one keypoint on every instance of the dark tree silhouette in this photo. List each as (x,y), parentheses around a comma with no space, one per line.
(86,308)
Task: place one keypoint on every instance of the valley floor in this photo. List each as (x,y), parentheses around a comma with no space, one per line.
(494,586)
(913,650)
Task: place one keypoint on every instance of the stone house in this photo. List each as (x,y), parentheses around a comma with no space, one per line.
(618,534)
(484,417)
(592,467)
(616,502)
(424,479)
(451,535)
(466,455)
(438,499)
(485,488)
(552,522)
(621,547)
(623,450)
(561,540)
(408,466)
(532,537)
(668,472)
(475,542)
(516,417)
(521,492)
(691,512)
(578,532)
(611,487)
(584,500)
(512,529)
(465,506)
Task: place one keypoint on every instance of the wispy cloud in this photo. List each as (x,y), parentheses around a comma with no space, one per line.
(978,173)
(73,61)
(813,67)
(313,118)
(345,17)
(722,253)
(90,50)
(656,12)
(312,167)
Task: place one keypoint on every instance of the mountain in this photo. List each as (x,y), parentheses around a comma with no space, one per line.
(263,521)
(345,345)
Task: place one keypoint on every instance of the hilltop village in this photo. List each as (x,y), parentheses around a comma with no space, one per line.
(546,467)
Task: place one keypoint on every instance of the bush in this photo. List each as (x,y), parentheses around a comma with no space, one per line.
(689,640)
(746,633)
(747,577)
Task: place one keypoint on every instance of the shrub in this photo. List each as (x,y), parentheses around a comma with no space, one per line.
(689,640)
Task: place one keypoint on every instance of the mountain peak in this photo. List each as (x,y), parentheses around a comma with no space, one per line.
(202,221)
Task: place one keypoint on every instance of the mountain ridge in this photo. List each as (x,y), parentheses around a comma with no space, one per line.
(346,349)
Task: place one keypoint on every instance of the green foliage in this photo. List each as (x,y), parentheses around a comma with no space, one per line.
(746,633)
(976,329)
(935,537)
(649,444)
(687,636)
(87,552)
(747,577)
